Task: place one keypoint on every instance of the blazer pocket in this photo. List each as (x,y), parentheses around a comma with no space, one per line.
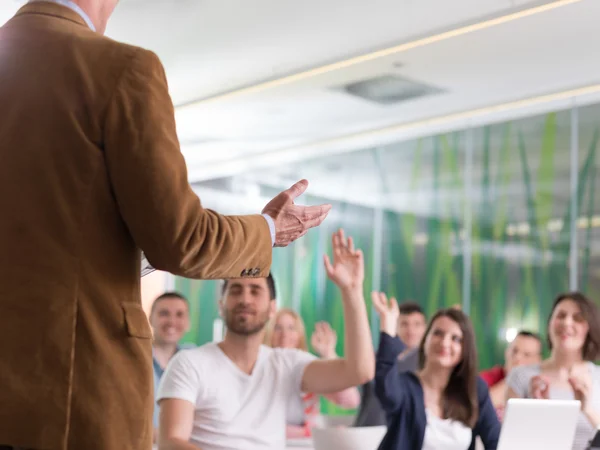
(136,321)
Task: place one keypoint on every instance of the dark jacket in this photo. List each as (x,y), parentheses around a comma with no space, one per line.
(401,396)
(370,413)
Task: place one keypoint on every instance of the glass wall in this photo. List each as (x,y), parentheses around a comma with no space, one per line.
(498,219)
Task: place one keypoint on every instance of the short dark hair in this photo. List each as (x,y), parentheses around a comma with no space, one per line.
(591,346)
(270,285)
(529,334)
(460,401)
(407,308)
(166,295)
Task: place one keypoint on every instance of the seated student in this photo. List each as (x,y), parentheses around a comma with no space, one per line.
(170,320)
(573,332)
(444,405)
(525,349)
(288,331)
(234,394)
(411,328)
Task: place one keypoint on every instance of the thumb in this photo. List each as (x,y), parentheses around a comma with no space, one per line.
(328,267)
(297,189)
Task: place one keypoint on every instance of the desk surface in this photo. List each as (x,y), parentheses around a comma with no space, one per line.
(295,444)
(299,444)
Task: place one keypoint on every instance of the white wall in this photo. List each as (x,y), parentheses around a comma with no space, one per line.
(153,285)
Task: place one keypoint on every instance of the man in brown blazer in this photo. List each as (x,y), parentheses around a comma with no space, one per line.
(91,173)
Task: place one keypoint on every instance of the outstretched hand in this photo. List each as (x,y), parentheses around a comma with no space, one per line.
(388,312)
(293,221)
(348,269)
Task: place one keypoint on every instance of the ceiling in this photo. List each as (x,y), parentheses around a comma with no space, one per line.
(211,48)
(260,92)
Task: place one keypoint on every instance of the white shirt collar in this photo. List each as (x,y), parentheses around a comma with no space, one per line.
(69,4)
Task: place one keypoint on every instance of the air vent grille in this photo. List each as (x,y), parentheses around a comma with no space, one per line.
(390,89)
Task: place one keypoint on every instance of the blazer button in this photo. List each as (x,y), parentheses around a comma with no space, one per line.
(244,273)
(255,272)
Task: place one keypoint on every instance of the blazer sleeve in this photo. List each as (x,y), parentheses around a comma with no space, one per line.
(487,426)
(149,178)
(389,387)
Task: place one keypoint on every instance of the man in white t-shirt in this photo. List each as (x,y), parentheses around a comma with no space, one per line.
(234,394)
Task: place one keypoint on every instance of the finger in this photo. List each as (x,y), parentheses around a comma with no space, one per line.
(297,189)
(350,244)
(360,258)
(328,267)
(302,234)
(394,305)
(575,385)
(307,213)
(342,239)
(383,299)
(337,247)
(312,223)
(376,299)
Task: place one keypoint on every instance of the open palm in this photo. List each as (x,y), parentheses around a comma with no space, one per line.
(387,310)
(323,340)
(348,268)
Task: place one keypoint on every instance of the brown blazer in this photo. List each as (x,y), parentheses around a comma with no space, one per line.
(91,172)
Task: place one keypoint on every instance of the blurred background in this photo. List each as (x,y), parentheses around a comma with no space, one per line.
(456,140)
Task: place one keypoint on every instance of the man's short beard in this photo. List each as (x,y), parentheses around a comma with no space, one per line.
(246,329)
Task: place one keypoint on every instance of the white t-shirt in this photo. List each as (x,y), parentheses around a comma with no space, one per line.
(446,434)
(520,377)
(297,408)
(234,410)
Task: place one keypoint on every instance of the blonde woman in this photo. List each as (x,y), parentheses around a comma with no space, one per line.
(288,331)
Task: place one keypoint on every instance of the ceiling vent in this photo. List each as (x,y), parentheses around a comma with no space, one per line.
(390,89)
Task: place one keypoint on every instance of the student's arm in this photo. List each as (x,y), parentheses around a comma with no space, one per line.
(581,382)
(323,341)
(357,366)
(389,387)
(176,422)
(178,393)
(348,398)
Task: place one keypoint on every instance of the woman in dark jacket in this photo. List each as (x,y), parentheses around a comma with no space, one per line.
(444,405)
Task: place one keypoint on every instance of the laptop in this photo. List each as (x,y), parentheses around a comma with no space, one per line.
(539,424)
(353,438)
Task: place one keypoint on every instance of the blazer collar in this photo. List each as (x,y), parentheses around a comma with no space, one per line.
(51,9)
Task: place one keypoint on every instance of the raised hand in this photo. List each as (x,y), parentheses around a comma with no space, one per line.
(293,221)
(581,383)
(539,387)
(323,340)
(348,268)
(388,312)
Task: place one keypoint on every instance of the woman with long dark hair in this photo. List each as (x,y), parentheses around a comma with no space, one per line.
(573,332)
(444,405)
